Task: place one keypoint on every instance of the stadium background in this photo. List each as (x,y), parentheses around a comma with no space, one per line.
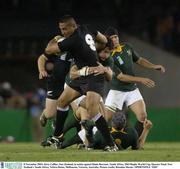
(152,27)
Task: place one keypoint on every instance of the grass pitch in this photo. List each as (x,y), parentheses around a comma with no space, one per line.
(34,152)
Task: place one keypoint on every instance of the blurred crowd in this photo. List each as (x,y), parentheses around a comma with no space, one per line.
(157,22)
(32,101)
(11,98)
(165,31)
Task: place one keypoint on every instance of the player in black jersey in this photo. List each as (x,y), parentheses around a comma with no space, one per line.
(80,42)
(54,68)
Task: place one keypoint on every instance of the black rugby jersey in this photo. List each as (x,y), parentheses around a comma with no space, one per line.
(81,45)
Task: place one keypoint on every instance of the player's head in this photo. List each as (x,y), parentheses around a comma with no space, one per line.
(119,120)
(105,53)
(67,25)
(112,34)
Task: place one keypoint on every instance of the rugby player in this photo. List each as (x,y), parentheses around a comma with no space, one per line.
(59,65)
(123,85)
(79,105)
(123,137)
(80,43)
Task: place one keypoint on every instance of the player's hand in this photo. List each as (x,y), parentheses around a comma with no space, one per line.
(160,68)
(58,37)
(43,74)
(147,124)
(147,82)
(85,71)
(100,69)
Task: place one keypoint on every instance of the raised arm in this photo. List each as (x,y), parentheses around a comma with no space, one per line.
(134,79)
(147,64)
(41,66)
(52,46)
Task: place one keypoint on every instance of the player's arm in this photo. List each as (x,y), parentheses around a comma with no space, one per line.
(75,72)
(101,41)
(108,73)
(135,79)
(41,66)
(143,136)
(52,47)
(100,69)
(144,62)
(101,38)
(147,64)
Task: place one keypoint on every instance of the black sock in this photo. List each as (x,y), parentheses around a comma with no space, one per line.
(102,126)
(139,127)
(60,120)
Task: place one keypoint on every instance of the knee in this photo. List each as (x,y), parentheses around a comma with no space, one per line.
(49,113)
(61,103)
(108,115)
(92,110)
(142,116)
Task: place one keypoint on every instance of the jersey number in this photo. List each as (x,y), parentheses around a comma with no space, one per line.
(90,42)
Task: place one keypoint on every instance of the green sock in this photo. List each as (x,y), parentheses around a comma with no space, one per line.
(68,141)
(72,121)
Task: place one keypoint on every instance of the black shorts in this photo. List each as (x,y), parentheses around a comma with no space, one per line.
(54,88)
(89,83)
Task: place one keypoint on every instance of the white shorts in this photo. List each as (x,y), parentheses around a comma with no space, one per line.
(79,99)
(116,99)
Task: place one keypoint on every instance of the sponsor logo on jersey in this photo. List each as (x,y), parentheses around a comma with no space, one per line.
(49,93)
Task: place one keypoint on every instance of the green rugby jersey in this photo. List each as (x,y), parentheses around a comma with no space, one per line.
(108,62)
(123,139)
(124,57)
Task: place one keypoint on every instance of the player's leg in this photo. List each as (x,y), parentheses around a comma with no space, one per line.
(54,90)
(64,100)
(137,105)
(115,100)
(49,111)
(92,104)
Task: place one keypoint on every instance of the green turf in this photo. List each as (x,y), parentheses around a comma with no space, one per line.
(33,152)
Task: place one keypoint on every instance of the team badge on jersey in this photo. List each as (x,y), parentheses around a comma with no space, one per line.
(120,60)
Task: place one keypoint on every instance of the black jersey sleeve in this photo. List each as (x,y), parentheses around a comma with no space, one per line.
(51,57)
(66,44)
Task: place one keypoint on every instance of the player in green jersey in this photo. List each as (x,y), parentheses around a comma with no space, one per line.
(123,137)
(123,86)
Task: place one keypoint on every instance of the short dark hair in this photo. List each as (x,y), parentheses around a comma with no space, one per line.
(65,18)
(119,120)
(111,31)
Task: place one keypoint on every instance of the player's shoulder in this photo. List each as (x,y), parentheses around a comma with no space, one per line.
(127,45)
(90,29)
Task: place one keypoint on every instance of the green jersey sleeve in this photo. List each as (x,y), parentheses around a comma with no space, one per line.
(135,54)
